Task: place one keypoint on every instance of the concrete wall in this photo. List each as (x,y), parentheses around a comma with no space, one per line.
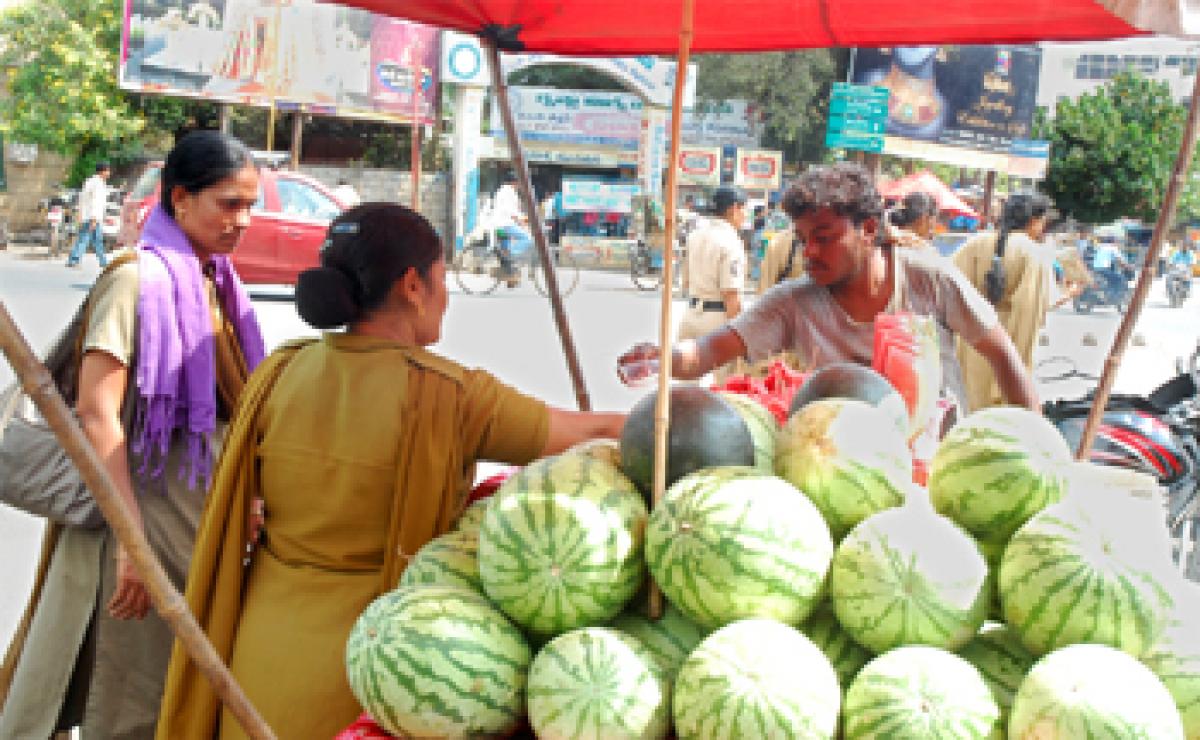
(392,185)
(27,184)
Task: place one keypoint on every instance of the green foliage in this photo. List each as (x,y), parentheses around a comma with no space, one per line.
(791,89)
(567,76)
(1112,151)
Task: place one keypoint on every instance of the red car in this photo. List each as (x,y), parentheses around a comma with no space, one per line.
(287,224)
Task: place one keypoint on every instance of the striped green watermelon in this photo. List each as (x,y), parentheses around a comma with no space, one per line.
(561,545)
(435,661)
(449,560)
(670,638)
(1079,571)
(848,457)
(846,655)
(471,519)
(730,543)
(605,450)
(756,678)
(916,693)
(907,576)
(598,684)
(1093,691)
(998,655)
(762,425)
(1175,656)
(996,468)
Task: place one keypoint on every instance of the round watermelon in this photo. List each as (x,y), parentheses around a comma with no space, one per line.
(561,545)
(996,468)
(762,426)
(704,431)
(1079,571)
(826,632)
(851,380)
(998,655)
(731,543)
(606,450)
(449,560)
(470,520)
(435,661)
(1175,655)
(1093,691)
(907,576)
(846,456)
(756,678)
(598,684)
(670,638)
(916,693)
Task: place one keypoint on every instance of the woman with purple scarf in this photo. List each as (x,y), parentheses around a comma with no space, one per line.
(169,341)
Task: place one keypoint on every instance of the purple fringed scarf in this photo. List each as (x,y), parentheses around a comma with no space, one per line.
(176,363)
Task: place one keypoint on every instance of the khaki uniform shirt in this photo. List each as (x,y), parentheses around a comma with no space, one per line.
(775,261)
(716,261)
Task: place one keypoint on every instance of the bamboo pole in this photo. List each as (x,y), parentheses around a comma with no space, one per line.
(1179,176)
(415,135)
(168,602)
(662,409)
(517,154)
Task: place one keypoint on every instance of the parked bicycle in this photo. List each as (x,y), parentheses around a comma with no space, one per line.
(483,264)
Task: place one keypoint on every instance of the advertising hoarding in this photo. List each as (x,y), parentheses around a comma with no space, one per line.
(325,58)
(594,194)
(700,165)
(759,170)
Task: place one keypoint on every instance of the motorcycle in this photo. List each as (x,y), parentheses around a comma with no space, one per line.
(1105,292)
(1178,284)
(1158,435)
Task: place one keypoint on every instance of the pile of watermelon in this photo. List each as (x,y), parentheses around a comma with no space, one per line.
(812,590)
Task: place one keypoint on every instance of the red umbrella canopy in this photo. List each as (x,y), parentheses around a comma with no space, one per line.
(621,27)
(927,182)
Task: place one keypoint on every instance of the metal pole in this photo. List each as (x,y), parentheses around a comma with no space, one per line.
(517,153)
(168,602)
(989,194)
(297,138)
(662,409)
(1162,225)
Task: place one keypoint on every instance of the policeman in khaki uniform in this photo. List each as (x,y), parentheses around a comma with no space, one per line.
(716,271)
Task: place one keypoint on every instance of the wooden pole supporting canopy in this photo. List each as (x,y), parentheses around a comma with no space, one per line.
(168,602)
(525,187)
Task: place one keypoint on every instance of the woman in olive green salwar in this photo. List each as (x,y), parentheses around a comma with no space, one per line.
(361,445)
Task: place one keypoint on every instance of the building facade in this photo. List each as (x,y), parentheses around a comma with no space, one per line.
(1071,69)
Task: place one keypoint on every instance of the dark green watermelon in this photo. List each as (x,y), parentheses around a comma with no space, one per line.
(850,380)
(705,431)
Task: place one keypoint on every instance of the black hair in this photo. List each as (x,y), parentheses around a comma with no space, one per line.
(101,167)
(368,249)
(200,160)
(847,188)
(914,206)
(1019,211)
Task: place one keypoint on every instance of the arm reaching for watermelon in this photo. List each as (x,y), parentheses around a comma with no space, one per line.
(569,428)
(1014,380)
(691,359)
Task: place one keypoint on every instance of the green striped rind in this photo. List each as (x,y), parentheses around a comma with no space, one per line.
(1079,571)
(762,425)
(1175,656)
(731,543)
(670,638)
(756,678)
(848,457)
(907,576)
(996,468)
(604,450)
(561,545)
(846,655)
(1093,692)
(598,684)
(916,693)
(449,560)
(998,655)
(472,518)
(433,661)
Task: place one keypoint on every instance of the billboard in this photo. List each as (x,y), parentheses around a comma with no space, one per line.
(326,58)
(591,194)
(758,170)
(700,165)
(976,97)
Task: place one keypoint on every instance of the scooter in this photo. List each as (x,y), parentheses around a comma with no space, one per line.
(1157,434)
(1105,292)
(1179,284)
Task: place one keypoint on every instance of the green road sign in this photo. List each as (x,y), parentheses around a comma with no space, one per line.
(849,140)
(859,92)
(864,108)
(854,124)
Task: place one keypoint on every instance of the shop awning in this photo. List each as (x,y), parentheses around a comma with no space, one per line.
(619,27)
(927,182)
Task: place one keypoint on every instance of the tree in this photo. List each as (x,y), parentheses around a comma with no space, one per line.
(790,88)
(1112,151)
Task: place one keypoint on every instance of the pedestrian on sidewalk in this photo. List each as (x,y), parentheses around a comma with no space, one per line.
(93,200)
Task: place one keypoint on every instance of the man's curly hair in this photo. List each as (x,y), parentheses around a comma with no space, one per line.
(847,188)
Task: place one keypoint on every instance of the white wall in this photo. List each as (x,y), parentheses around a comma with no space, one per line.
(1070,69)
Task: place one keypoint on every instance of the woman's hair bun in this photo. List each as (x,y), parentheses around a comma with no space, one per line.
(325,298)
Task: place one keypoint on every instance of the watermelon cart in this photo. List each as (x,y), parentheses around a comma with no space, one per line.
(862,602)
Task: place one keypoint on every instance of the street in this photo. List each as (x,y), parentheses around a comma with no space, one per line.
(511,332)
